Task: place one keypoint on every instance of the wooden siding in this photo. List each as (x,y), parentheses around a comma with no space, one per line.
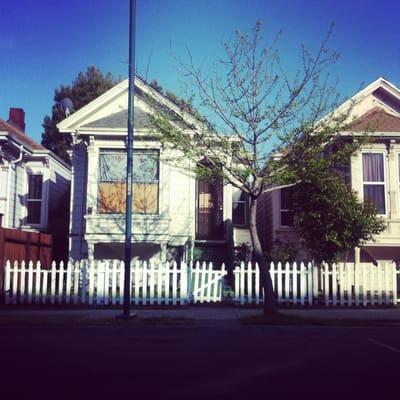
(106,228)
(16,197)
(78,203)
(58,209)
(265,220)
(181,202)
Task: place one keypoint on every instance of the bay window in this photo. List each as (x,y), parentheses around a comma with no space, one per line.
(374,180)
(112,186)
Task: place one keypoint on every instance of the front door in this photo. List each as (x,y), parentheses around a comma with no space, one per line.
(209,218)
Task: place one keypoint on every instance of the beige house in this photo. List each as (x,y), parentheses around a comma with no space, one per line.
(175,213)
(374,175)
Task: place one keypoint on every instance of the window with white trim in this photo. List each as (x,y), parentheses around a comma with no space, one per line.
(240,208)
(112,186)
(34,199)
(374,180)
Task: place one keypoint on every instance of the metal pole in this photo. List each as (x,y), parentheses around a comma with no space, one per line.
(129,165)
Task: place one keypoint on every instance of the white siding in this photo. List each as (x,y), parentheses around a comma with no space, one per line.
(59,178)
(241,235)
(181,202)
(16,197)
(3,191)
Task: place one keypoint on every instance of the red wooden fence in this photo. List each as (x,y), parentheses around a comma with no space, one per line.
(19,245)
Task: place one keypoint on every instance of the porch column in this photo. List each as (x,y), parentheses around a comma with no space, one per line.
(357,258)
(93,166)
(163,252)
(90,246)
(357,174)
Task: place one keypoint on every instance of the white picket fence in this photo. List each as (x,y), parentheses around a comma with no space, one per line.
(361,284)
(341,284)
(292,283)
(102,283)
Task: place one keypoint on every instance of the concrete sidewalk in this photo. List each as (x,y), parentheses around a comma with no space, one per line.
(200,315)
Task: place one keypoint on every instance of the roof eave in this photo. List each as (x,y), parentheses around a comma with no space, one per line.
(33,152)
(373,134)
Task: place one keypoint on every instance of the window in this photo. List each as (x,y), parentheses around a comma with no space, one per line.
(112,187)
(374,180)
(34,199)
(240,206)
(344,171)
(287,213)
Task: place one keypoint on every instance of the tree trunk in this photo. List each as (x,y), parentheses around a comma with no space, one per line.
(270,306)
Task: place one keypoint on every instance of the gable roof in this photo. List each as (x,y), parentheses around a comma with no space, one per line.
(383,118)
(384,91)
(379,87)
(33,148)
(19,136)
(377,119)
(109,109)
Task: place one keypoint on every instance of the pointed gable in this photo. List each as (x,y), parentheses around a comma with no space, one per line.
(110,111)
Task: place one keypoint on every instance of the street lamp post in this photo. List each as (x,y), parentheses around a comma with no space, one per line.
(129,165)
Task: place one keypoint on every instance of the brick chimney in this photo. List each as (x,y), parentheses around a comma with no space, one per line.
(17,118)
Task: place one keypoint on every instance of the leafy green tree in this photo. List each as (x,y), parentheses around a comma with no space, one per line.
(268,133)
(332,220)
(327,213)
(84,88)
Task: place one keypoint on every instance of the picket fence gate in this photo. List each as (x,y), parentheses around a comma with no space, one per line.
(102,283)
(340,284)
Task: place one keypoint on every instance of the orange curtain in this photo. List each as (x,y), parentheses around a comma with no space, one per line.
(112,197)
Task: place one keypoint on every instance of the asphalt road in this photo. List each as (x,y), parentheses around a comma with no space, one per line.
(193,362)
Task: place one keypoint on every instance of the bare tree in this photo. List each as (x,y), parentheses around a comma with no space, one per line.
(254,109)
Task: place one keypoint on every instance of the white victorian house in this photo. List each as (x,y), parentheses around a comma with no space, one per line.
(374,173)
(175,215)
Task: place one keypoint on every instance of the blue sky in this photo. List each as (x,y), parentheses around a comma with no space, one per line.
(45,43)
